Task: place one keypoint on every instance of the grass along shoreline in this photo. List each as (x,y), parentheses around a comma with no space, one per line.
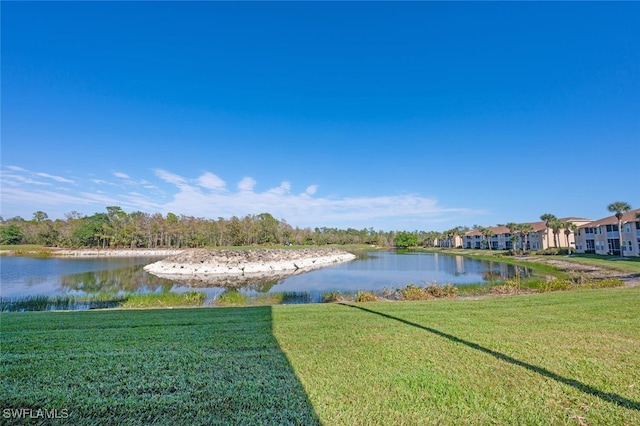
(234,298)
(555,358)
(551,273)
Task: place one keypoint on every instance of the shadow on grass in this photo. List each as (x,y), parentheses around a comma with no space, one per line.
(606,396)
(183,366)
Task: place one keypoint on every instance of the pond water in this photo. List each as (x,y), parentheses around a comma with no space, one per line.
(374,271)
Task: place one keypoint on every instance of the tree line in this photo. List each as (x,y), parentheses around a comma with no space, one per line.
(116,228)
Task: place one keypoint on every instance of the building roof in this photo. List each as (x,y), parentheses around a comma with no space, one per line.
(574,219)
(629,216)
(537,227)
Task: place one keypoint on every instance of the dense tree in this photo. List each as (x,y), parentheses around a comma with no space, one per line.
(267,228)
(40,216)
(406,239)
(119,229)
(10,234)
(620,208)
(90,231)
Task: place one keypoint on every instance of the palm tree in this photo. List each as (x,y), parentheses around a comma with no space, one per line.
(487,233)
(620,207)
(513,228)
(556,226)
(548,218)
(569,227)
(524,229)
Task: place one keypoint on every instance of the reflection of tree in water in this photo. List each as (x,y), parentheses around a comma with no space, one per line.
(128,280)
(262,287)
(497,271)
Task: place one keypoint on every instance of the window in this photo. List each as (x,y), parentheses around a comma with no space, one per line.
(627,227)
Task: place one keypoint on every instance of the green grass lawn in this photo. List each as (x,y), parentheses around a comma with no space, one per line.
(625,264)
(543,359)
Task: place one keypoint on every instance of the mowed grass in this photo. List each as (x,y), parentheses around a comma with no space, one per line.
(625,264)
(543,359)
(141,367)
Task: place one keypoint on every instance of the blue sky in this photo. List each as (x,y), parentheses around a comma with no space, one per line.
(397,116)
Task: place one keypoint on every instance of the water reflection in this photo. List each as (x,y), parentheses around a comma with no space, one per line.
(120,280)
(370,271)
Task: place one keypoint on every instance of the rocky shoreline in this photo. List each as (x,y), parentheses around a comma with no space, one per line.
(203,266)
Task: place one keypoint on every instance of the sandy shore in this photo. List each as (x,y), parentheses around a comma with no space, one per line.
(205,265)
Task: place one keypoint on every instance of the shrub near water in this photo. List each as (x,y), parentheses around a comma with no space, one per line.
(414,292)
(231,298)
(561,285)
(331,296)
(366,296)
(164,300)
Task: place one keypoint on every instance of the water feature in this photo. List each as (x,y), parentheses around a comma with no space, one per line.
(371,271)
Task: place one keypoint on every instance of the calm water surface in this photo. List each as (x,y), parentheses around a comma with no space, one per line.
(24,276)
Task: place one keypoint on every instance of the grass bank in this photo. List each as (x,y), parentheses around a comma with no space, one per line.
(556,358)
(31,250)
(102,301)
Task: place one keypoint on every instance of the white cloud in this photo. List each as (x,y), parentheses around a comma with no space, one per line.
(101,182)
(16,168)
(13,179)
(246,184)
(56,178)
(210,181)
(304,209)
(284,188)
(208,196)
(170,177)
(121,175)
(311,189)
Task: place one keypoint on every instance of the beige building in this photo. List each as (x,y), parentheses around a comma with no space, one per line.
(452,241)
(540,238)
(603,236)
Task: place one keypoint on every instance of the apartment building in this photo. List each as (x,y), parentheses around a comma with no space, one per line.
(453,241)
(539,238)
(500,240)
(603,236)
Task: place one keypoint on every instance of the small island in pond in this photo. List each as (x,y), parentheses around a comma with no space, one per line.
(211,266)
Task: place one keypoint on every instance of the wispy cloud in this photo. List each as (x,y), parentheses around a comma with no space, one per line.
(56,178)
(207,195)
(121,175)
